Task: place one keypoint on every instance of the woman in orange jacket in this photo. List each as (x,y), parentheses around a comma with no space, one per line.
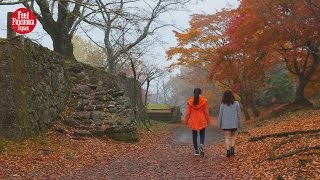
(197,117)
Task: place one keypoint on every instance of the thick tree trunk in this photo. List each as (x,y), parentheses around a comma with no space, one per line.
(62,44)
(111,65)
(60,30)
(305,77)
(299,95)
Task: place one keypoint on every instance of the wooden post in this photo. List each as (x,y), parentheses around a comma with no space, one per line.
(10,32)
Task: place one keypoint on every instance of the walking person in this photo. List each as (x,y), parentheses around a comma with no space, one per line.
(229,120)
(197,118)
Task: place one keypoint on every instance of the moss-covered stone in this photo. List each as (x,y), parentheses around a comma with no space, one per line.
(98,133)
(125,135)
(35,84)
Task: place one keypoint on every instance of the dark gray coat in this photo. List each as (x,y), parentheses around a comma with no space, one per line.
(229,116)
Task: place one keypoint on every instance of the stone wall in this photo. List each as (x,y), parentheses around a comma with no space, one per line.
(37,86)
(33,88)
(97,105)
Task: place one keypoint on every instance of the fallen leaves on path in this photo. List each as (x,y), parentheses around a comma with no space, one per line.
(287,157)
(158,156)
(52,156)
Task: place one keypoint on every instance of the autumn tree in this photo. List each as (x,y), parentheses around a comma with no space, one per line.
(287,30)
(206,44)
(313,87)
(200,41)
(198,44)
(234,68)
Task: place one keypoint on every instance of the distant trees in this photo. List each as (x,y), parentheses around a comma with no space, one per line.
(179,88)
(87,52)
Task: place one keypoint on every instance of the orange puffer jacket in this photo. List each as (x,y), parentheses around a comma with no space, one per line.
(197,116)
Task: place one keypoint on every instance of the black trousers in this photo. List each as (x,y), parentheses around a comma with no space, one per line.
(195,137)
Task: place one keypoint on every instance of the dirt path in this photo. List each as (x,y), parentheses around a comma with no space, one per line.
(169,157)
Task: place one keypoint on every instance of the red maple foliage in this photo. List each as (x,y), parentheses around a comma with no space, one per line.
(287,31)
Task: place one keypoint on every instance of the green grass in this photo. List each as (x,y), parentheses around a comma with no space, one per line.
(10,147)
(19,147)
(158,106)
(3,145)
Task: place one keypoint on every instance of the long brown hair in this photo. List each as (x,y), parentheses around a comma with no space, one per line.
(228,98)
(196,92)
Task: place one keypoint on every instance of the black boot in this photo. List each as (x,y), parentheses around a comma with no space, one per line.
(228,153)
(232,151)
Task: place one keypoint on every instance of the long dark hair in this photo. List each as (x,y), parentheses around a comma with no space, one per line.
(196,92)
(228,97)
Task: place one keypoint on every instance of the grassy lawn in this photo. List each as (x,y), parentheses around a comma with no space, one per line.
(158,106)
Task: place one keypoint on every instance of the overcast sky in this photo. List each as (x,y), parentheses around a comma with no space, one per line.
(179,18)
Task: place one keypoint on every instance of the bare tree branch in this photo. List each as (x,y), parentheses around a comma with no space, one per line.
(14,3)
(125,25)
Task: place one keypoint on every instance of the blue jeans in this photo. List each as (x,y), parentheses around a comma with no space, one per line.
(195,137)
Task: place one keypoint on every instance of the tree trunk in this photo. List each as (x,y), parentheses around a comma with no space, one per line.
(62,44)
(146,96)
(157,97)
(164,93)
(244,107)
(305,77)
(10,32)
(255,111)
(111,65)
(299,95)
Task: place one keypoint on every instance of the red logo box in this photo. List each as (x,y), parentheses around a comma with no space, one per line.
(23,21)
